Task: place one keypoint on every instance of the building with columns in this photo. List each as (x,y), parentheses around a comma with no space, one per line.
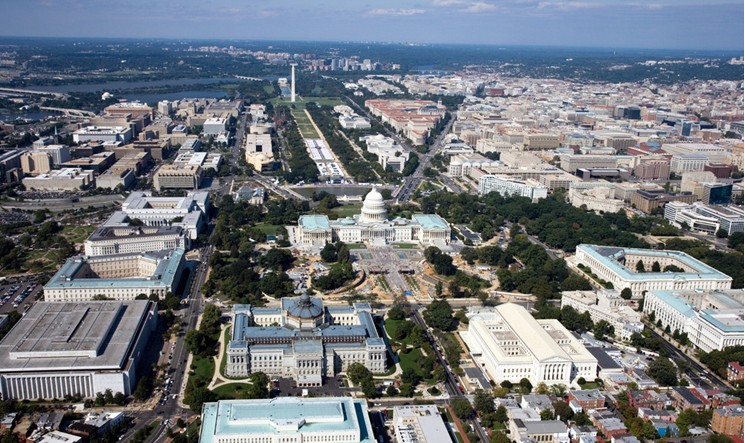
(69,349)
(372,227)
(304,340)
(618,266)
(511,345)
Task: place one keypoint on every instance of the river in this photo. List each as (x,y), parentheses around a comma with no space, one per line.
(125,85)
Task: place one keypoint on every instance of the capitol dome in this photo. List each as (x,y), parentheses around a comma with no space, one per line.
(373,208)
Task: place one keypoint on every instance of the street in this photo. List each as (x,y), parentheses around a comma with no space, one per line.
(411,183)
(172,409)
(451,384)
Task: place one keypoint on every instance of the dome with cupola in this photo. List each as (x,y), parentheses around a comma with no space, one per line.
(373,208)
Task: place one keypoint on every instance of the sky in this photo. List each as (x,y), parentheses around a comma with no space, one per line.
(666,24)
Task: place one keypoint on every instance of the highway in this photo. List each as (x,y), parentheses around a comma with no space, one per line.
(451,384)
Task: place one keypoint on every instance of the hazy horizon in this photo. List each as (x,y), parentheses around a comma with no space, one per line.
(601,24)
(730,51)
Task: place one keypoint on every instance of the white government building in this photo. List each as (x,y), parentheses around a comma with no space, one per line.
(607,305)
(129,239)
(188,212)
(304,340)
(712,319)
(511,345)
(371,226)
(69,349)
(618,266)
(507,186)
(116,277)
(287,420)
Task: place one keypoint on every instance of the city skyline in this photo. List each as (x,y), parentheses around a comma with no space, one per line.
(664,24)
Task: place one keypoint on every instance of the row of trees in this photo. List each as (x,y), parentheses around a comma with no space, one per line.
(555,222)
(301,166)
(728,262)
(361,169)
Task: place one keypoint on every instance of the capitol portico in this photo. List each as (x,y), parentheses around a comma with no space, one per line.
(371,226)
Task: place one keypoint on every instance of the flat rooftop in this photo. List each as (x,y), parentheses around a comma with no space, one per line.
(610,256)
(314,222)
(286,416)
(166,271)
(75,336)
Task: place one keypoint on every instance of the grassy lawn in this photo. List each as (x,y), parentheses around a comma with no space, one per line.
(224,361)
(406,246)
(591,385)
(77,234)
(269,89)
(268,229)
(231,390)
(204,368)
(391,326)
(301,101)
(356,246)
(347,210)
(409,360)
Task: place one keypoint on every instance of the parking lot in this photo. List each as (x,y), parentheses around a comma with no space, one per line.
(18,296)
(332,387)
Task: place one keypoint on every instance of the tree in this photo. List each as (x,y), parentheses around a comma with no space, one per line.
(663,371)
(277,259)
(718,438)
(542,388)
(438,289)
(640,266)
(581,381)
(410,376)
(546,414)
(601,329)
(396,313)
(626,293)
(721,233)
(406,390)
(506,384)
(462,408)
(259,385)
(142,390)
(501,415)
(483,401)
(439,314)
(582,419)
(656,266)
(328,253)
(499,437)
(391,391)
(735,241)
(563,410)
(356,372)
(525,386)
(198,395)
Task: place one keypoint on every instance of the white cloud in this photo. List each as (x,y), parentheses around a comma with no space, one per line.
(447,2)
(479,7)
(569,5)
(395,12)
